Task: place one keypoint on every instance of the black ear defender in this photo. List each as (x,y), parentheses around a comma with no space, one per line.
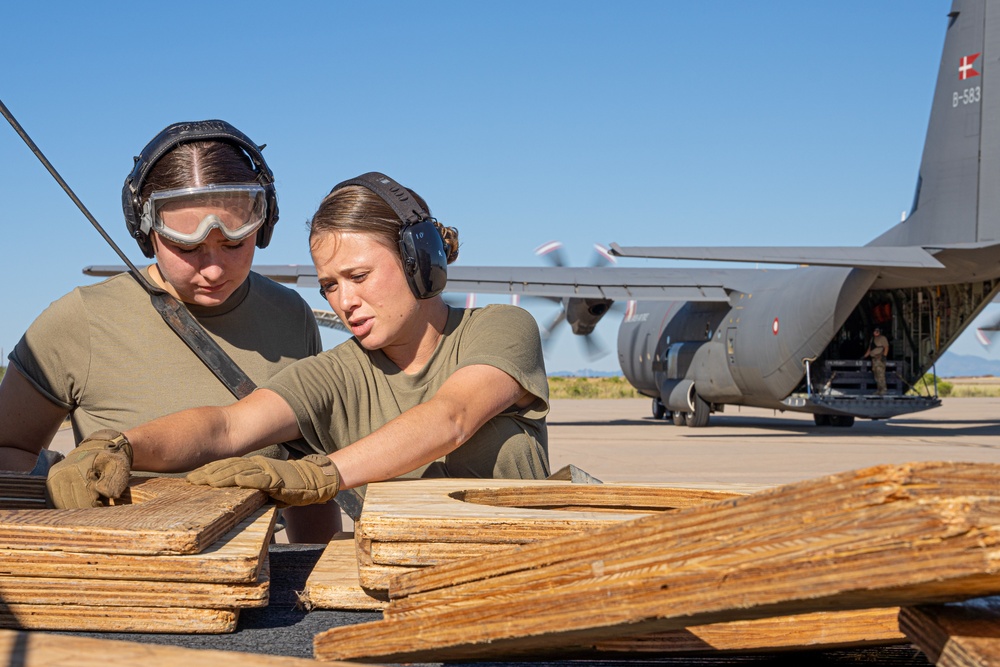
(425,261)
(182,133)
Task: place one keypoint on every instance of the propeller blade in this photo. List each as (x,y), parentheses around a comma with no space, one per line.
(602,256)
(550,328)
(552,252)
(593,348)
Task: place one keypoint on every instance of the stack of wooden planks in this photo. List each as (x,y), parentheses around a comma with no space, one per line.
(174,558)
(409,525)
(878,538)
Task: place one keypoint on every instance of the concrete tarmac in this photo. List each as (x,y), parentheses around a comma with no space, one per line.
(618,440)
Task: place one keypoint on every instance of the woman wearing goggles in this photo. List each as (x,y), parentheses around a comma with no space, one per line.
(104,357)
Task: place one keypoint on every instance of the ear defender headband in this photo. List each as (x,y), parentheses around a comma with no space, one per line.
(425,261)
(182,133)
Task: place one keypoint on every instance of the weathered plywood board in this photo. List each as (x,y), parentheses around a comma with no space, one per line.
(133,593)
(333,582)
(880,537)
(962,634)
(38,649)
(820,630)
(235,558)
(418,523)
(97,618)
(166,516)
(22,491)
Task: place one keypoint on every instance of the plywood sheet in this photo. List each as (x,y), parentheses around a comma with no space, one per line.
(38,649)
(333,582)
(820,630)
(165,516)
(235,558)
(962,634)
(880,537)
(97,618)
(22,491)
(418,523)
(133,593)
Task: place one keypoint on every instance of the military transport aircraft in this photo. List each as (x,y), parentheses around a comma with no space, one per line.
(696,340)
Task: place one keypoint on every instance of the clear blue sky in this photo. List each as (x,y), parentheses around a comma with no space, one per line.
(683,123)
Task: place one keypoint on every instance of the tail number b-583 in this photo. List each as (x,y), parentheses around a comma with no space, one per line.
(967,96)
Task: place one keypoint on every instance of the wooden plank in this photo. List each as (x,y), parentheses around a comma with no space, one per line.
(97,618)
(235,558)
(418,523)
(165,516)
(333,582)
(38,649)
(879,537)
(22,491)
(132,593)
(965,634)
(824,630)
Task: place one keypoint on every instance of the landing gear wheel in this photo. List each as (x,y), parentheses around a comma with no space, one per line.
(679,418)
(821,420)
(842,421)
(699,417)
(659,410)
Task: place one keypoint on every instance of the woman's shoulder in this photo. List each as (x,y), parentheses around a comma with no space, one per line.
(500,314)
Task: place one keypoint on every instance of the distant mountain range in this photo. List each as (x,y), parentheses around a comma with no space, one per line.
(950,365)
(966,365)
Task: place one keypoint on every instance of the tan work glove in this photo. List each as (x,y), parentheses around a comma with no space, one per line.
(98,468)
(311,479)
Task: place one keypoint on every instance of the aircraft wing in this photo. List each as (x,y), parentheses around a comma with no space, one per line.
(615,283)
(868,257)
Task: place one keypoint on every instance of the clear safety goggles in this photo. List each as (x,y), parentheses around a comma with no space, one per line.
(188,215)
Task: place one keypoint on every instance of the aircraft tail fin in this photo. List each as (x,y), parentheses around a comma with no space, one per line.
(957,198)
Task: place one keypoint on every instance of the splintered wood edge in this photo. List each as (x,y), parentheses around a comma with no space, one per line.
(167,516)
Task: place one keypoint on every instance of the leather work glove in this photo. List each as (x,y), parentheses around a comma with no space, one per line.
(98,468)
(311,479)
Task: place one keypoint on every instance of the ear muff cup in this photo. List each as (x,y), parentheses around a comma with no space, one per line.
(425,261)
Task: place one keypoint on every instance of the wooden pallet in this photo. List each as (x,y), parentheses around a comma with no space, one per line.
(164,516)
(413,524)
(880,537)
(961,634)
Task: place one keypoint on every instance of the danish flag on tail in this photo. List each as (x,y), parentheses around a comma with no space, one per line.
(965,70)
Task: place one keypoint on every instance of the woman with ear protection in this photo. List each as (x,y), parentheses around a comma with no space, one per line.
(421,389)
(198,200)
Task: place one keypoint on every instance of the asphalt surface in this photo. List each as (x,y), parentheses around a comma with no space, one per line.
(618,440)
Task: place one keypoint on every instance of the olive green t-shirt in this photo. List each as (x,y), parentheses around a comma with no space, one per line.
(104,353)
(346,393)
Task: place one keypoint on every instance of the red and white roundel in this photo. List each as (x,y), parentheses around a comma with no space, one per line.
(774,326)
